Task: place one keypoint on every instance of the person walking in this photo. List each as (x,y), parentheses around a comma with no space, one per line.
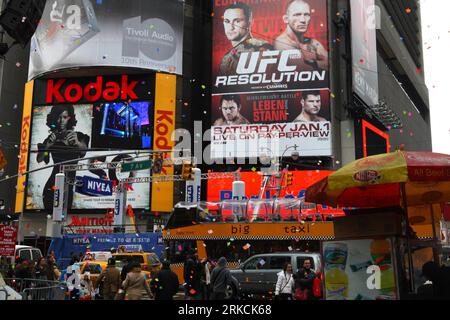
(110,279)
(205,278)
(220,279)
(191,279)
(284,289)
(165,284)
(304,282)
(135,283)
(126,268)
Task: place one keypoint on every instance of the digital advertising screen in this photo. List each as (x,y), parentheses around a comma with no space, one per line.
(123,125)
(270,66)
(144,34)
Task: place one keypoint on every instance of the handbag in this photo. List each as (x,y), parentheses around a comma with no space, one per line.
(301,294)
(317,290)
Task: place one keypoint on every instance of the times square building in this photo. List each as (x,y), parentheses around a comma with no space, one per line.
(131,73)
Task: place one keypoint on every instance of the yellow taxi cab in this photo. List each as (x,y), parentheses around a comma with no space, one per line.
(94,268)
(150,264)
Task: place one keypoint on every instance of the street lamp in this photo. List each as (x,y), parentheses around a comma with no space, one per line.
(295,155)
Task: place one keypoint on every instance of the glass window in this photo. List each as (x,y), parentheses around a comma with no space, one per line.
(93,268)
(257,263)
(36,254)
(301,260)
(25,254)
(277,262)
(152,259)
(137,258)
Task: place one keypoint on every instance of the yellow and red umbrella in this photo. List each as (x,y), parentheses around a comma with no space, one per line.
(386,180)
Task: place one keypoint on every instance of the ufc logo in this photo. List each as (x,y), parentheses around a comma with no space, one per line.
(248,61)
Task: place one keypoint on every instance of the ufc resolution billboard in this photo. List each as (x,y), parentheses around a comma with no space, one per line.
(146,34)
(270,78)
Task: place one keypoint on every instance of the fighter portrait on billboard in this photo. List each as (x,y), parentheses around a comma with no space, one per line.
(231,111)
(298,20)
(274,46)
(237,21)
(311,105)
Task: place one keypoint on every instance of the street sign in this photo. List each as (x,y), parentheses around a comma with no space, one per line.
(136,166)
(8,239)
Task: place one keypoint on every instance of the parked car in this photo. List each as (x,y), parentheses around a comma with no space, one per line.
(258,274)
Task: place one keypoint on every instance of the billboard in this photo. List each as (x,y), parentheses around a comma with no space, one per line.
(145,34)
(219,190)
(270,66)
(359,270)
(364,50)
(78,121)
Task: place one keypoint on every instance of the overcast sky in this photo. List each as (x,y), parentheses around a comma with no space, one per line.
(436,38)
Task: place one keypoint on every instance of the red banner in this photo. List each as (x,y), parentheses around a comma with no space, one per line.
(8,238)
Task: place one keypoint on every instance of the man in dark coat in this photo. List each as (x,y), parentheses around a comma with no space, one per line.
(191,279)
(165,284)
(220,279)
(304,278)
(111,280)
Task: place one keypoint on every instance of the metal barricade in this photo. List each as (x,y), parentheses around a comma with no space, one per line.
(36,289)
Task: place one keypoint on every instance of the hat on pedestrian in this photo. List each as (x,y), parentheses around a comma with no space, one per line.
(111,262)
(429,269)
(222,262)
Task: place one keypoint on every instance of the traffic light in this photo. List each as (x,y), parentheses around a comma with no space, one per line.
(289,178)
(187,170)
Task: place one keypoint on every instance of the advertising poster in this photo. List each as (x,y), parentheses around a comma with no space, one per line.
(349,269)
(138,194)
(69,131)
(364,50)
(8,239)
(270,66)
(145,34)
(58,133)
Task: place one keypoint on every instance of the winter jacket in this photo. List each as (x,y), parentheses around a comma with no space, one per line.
(111,278)
(134,284)
(165,285)
(285,283)
(220,278)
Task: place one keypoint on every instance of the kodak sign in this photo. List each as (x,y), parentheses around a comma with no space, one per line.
(91,90)
(165,108)
(24,147)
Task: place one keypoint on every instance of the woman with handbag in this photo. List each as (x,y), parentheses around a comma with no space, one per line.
(304,282)
(284,288)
